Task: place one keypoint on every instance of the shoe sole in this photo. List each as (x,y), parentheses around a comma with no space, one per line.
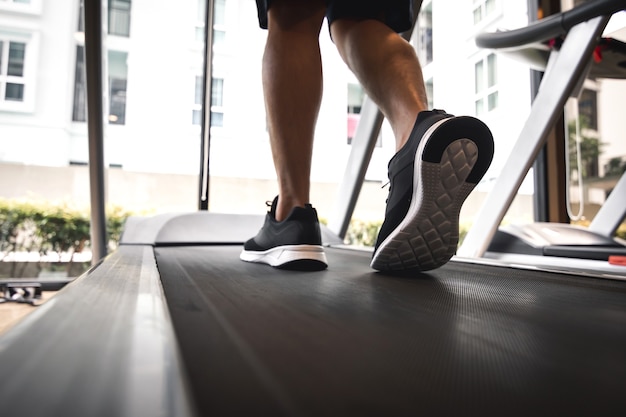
(292,257)
(447,168)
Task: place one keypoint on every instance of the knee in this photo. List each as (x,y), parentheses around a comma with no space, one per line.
(296,16)
(354,33)
(366,36)
(340,31)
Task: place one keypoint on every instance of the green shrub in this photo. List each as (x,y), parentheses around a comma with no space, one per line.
(362,233)
(62,230)
(17,226)
(116,217)
(45,227)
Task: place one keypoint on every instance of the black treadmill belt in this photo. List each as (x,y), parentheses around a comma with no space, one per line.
(463,339)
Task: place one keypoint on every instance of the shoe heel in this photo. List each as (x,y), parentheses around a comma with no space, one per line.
(453,158)
(454,129)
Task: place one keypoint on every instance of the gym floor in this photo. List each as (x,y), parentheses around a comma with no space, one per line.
(12,313)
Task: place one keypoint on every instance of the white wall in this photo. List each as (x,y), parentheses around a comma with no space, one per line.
(164,59)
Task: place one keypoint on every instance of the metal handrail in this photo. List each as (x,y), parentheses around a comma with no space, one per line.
(549,27)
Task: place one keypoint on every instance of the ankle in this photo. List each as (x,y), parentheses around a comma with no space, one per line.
(402,135)
(403,132)
(285,206)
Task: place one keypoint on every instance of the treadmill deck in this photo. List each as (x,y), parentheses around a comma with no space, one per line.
(463,339)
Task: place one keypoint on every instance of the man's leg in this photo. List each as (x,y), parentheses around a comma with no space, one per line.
(440,157)
(387,67)
(292,83)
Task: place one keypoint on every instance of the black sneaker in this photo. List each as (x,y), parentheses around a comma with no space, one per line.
(294,243)
(430,178)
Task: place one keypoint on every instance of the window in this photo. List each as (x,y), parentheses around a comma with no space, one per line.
(584,143)
(425,35)
(219,17)
(356,96)
(428,84)
(118,71)
(12,79)
(197,106)
(217,101)
(16,1)
(355,101)
(119,17)
(588,108)
(80,90)
(219,38)
(219,23)
(200,17)
(482,9)
(485,85)
(22,7)
(117,106)
(118,74)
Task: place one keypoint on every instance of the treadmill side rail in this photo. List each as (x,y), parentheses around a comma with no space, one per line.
(104,346)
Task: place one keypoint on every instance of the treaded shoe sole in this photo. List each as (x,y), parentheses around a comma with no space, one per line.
(294,257)
(447,168)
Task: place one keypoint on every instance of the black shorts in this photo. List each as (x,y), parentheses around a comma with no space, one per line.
(397,14)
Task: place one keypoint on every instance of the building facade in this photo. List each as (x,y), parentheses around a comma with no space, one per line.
(155,54)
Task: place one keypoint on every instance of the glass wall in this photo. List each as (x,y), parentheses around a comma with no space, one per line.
(155,76)
(459,78)
(154,81)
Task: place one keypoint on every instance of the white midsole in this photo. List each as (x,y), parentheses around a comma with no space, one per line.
(281,255)
(416,198)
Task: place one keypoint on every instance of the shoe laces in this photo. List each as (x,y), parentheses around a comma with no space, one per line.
(387,184)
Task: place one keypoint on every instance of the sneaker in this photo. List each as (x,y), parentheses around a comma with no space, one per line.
(294,243)
(430,178)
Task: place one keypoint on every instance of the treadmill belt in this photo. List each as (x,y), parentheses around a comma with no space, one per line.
(461,340)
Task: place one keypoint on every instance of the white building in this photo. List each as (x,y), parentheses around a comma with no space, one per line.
(155,54)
